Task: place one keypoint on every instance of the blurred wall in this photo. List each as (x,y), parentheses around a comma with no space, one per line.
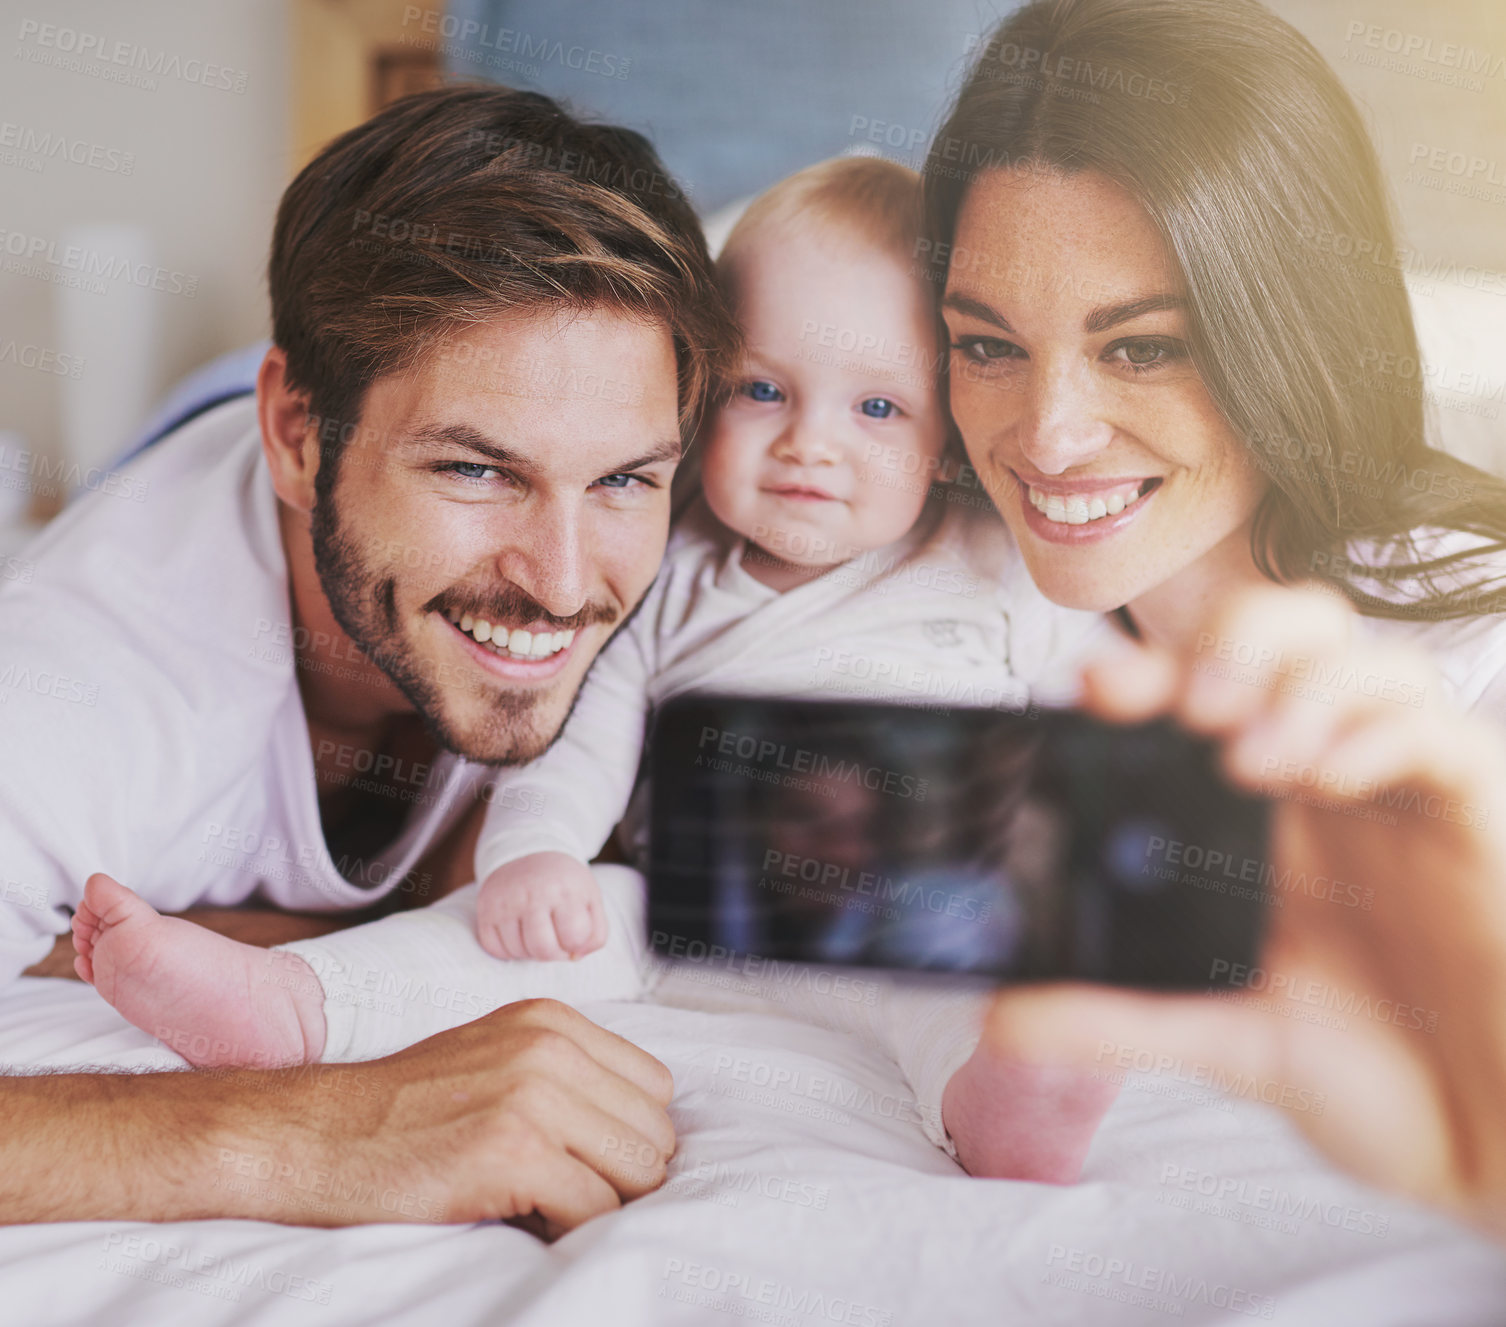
(1428,76)
(169,114)
(1431,81)
(187,118)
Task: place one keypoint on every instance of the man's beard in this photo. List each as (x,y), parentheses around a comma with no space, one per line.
(364,603)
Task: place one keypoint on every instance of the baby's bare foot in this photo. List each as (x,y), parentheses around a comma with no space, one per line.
(214,1000)
(1014,1121)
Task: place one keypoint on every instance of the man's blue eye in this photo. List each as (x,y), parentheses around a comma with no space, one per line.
(877,407)
(471,469)
(759,390)
(615,481)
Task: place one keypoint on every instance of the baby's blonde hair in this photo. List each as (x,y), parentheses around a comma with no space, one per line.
(878,201)
(873,200)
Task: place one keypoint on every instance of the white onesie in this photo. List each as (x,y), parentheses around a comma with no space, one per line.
(926,620)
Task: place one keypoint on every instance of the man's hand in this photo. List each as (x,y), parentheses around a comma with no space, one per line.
(1394,816)
(532,1110)
(532,1113)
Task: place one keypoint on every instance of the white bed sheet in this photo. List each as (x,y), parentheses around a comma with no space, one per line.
(802,1194)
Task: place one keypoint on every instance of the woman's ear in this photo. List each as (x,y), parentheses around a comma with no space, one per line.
(289,437)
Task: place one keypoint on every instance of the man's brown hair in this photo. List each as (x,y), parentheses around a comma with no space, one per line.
(453,206)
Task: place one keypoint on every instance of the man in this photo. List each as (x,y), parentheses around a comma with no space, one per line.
(493,329)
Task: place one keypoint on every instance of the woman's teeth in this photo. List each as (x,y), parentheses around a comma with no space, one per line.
(1074,509)
(511,644)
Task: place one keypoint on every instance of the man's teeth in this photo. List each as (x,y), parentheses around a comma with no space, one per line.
(516,644)
(1074,509)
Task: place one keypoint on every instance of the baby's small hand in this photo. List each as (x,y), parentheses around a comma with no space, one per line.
(543,906)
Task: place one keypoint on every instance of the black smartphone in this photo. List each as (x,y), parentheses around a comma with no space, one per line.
(1024,846)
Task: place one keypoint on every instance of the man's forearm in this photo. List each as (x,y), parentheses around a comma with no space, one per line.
(497,1119)
(97,1147)
(279,1145)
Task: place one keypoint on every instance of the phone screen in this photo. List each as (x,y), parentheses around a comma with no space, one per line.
(1023,846)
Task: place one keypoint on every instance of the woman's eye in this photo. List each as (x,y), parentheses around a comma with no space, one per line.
(759,390)
(1142,354)
(983,349)
(879,407)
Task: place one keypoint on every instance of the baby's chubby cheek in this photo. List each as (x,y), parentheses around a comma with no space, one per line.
(730,489)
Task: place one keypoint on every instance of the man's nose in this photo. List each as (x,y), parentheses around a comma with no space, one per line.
(1062,426)
(544,554)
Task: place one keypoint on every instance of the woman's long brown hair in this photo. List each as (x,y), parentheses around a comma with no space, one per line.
(1254,163)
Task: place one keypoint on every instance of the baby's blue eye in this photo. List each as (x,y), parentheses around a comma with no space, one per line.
(759,390)
(878,407)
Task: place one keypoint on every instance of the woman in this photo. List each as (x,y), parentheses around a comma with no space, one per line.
(1166,265)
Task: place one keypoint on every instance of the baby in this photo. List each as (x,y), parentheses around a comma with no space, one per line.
(812,530)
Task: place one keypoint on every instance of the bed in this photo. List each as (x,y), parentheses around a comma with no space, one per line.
(803,1193)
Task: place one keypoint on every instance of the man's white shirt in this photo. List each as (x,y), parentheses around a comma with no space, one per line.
(150,713)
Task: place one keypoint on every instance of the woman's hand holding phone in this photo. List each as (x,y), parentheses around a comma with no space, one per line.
(1380,785)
